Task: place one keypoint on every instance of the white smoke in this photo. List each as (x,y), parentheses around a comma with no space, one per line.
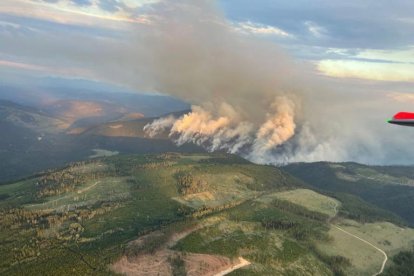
(244,91)
(224,131)
(279,127)
(159,126)
(228,131)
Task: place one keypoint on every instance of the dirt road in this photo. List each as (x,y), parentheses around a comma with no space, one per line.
(365,241)
(242,263)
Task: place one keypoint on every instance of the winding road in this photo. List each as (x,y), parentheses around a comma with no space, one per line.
(361,239)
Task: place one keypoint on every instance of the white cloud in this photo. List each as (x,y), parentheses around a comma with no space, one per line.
(367,70)
(66,12)
(315,29)
(260,29)
(399,55)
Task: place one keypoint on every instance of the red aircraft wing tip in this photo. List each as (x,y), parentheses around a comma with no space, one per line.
(404,116)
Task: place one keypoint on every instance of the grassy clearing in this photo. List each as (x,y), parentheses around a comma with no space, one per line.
(387,236)
(17,194)
(223,188)
(307,198)
(365,260)
(193,157)
(103,153)
(14,188)
(112,189)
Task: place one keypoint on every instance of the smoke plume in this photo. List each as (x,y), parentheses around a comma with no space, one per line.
(245,92)
(228,131)
(248,97)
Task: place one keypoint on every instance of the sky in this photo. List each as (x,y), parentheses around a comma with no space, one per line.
(371,40)
(364,50)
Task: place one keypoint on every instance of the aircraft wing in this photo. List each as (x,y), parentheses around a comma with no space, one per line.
(403,119)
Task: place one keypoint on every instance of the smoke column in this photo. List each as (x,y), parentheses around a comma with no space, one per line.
(244,92)
(248,97)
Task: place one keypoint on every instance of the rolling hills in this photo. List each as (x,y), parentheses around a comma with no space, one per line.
(34,139)
(187,214)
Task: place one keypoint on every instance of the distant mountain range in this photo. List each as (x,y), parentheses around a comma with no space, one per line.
(51,133)
(58,95)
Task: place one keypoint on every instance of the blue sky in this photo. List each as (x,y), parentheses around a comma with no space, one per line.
(345,39)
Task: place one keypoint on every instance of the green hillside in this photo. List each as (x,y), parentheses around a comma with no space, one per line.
(173,214)
(386,189)
(96,207)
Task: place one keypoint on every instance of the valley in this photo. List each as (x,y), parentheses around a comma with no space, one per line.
(54,132)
